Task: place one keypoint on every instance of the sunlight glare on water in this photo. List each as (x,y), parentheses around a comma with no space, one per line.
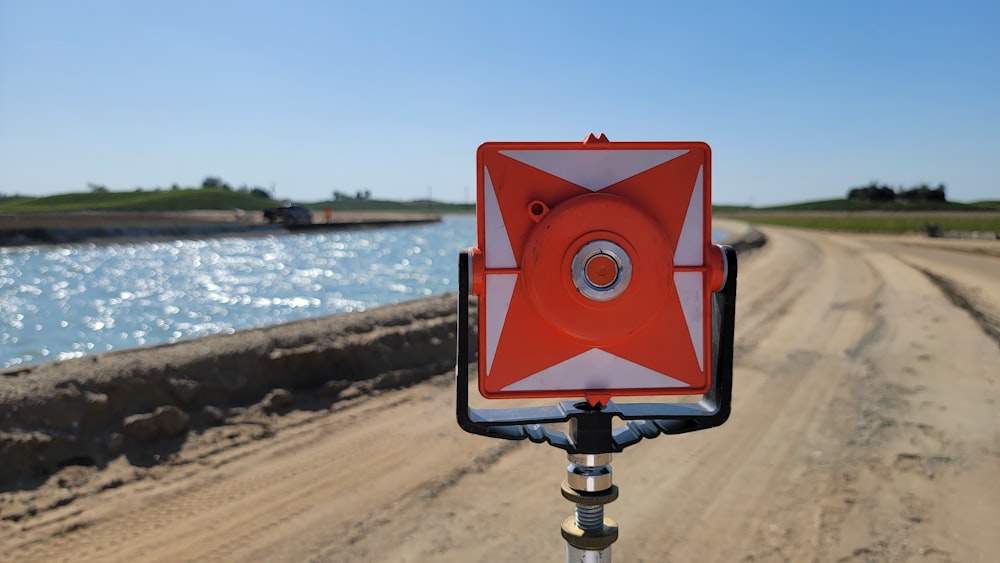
(67,302)
(59,303)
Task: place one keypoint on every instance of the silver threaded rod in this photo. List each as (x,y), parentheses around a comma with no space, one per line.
(590,517)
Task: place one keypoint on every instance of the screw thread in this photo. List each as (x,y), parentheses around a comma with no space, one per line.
(590,517)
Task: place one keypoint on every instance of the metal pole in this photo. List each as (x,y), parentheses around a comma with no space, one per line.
(588,533)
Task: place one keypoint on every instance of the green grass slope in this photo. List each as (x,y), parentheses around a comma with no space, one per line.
(879,223)
(166,200)
(873,217)
(860,205)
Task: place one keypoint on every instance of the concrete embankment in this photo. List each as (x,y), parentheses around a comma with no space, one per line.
(92,409)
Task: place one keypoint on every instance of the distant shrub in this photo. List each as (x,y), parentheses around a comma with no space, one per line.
(914,194)
(215,182)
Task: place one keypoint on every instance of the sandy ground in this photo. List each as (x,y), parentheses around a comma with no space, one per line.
(864,428)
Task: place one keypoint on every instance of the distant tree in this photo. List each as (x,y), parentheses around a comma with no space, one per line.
(922,192)
(939,192)
(97,188)
(919,193)
(872,192)
(215,182)
(260,192)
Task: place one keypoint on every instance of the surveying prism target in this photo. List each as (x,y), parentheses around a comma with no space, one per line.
(594,269)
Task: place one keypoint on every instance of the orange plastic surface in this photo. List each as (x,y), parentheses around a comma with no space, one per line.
(544,205)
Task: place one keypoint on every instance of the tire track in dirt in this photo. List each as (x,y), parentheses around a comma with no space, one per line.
(795,362)
(877,496)
(962,299)
(762,303)
(200,496)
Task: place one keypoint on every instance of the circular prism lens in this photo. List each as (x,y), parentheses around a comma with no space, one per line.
(601,270)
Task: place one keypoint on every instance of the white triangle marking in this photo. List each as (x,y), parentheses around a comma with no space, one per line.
(595,369)
(499,253)
(691,245)
(499,289)
(594,169)
(691,293)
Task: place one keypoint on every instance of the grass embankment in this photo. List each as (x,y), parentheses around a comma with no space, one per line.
(877,223)
(873,217)
(163,200)
(205,198)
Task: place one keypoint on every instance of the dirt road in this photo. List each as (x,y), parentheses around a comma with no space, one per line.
(864,428)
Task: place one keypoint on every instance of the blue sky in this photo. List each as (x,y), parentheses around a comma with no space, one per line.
(798,100)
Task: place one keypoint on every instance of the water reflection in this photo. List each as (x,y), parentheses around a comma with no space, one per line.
(67,302)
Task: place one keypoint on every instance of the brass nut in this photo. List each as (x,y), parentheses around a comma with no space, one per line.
(590,540)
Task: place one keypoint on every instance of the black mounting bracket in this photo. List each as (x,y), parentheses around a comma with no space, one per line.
(591,429)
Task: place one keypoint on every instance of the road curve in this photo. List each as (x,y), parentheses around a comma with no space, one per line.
(864,428)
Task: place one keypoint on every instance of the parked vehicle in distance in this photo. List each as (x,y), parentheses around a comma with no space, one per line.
(288,214)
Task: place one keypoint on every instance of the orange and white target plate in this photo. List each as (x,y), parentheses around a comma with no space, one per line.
(594,268)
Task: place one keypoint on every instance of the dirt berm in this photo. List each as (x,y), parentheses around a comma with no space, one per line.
(89,410)
(86,411)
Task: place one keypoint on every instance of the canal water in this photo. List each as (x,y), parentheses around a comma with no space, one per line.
(66,302)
